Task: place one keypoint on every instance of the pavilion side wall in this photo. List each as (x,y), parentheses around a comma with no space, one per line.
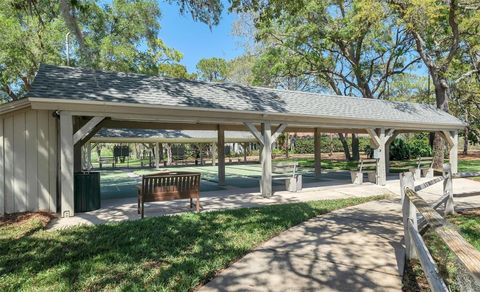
(28,161)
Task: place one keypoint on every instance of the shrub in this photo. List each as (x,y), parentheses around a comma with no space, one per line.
(399,150)
(304,146)
(419,146)
(368,150)
(410,148)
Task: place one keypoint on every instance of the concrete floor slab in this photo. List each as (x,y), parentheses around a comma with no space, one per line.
(116,210)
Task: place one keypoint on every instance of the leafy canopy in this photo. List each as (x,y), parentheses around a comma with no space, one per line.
(349,46)
(212,69)
(117,35)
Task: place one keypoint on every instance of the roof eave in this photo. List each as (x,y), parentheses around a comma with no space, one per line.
(137,111)
(14,106)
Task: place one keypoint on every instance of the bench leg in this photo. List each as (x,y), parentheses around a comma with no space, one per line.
(138,204)
(143,209)
(191,203)
(198,204)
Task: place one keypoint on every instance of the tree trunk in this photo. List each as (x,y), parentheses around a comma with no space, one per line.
(168,147)
(441,96)
(431,138)
(438,151)
(71,22)
(99,151)
(346,150)
(355,148)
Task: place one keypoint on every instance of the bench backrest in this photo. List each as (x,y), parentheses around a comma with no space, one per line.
(106,159)
(169,186)
(285,168)
(367,163)
(424,161)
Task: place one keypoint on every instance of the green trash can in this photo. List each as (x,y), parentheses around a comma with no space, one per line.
(86,191)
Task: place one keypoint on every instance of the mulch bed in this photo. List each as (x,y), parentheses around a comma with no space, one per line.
(20,218)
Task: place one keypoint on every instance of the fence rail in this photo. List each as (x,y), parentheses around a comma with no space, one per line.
(418,215)
(466,174)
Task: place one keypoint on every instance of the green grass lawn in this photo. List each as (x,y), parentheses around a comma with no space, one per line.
(469,166)
(395,166)
(468,224)
(172,253)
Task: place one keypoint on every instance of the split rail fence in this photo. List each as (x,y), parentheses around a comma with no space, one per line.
(418,216)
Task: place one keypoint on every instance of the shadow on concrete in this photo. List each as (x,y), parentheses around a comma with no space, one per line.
(355,249)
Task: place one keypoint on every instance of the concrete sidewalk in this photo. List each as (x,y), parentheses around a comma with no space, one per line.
(126,208)
(353,249)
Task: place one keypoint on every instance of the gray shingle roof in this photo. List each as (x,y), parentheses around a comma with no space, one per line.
(85,84)
(174,134)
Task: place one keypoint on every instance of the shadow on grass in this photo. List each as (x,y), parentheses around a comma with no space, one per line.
(172,253)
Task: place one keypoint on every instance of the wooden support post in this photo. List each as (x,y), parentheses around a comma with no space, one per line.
(2,170)
(214,153)
(409,215)
(266,139)
(84,158)
(317,150)
(387,151)
(402,187)
(245,146)
(260,151)
(266,162)
(221,155)
(448,189)
(380,139)
(89,155)
(157,155)
(200,148)
(382,157)
(160,152)
(66,164)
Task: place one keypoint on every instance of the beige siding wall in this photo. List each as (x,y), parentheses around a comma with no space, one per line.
(28,162)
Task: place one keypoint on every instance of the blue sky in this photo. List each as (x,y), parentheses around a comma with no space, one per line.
(195,39)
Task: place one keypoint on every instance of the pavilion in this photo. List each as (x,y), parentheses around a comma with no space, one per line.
(41,135)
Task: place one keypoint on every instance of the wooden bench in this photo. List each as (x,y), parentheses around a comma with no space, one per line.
(365,166)
(422,171)
(166,186)
(287,171)
(106,160)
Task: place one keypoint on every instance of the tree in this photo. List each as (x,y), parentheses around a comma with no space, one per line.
(240,70)
(351,47)
(118,35)
(212,70)
(439,29)
(26,42)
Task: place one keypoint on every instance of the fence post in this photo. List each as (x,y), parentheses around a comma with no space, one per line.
(409,215)
(448,189)
(402,187)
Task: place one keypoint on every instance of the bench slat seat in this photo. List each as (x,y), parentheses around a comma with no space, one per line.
(166,186)
(368,166)
(106,160)
(424,168)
